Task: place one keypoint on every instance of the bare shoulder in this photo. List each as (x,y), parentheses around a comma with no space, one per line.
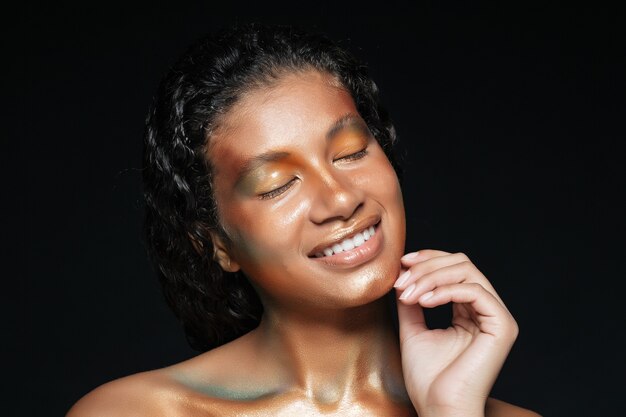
(195,386)
(140,394)
(499,408)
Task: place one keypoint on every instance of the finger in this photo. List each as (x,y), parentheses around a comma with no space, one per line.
(413,257)
(423,267)
(486,310)
(452,274)
(410,319)
(462,272)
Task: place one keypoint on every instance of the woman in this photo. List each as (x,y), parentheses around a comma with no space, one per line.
(276,220)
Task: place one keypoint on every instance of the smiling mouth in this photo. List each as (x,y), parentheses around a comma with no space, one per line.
(353,250)
(346,240)
(349,243)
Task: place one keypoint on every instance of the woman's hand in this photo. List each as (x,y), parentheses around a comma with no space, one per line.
(450,372)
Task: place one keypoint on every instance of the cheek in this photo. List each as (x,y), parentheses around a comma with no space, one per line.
(264,234)
(384,187)
(265,245)
(381,181)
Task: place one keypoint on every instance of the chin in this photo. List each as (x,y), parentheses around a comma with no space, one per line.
(371,283)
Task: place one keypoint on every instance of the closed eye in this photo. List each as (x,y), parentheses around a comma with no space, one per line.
(277,191)
(354,156)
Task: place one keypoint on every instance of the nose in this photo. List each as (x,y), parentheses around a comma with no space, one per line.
(335,198)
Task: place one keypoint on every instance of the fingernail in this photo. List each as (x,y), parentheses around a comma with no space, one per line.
(402,279)
(407,293)
(410,256)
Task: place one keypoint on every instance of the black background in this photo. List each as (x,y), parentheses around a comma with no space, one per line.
(510,120)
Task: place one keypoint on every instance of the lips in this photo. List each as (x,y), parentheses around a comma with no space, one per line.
(357,256)
(346,239)
(348,243)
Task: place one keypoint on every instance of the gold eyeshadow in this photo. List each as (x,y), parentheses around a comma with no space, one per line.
(267,177)
(278,168)
(348,143)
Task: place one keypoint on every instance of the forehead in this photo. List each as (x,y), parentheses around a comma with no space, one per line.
(296,109)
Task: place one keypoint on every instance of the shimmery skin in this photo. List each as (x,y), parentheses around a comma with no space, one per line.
(218,391)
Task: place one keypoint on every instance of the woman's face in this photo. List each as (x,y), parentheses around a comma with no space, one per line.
(296,173)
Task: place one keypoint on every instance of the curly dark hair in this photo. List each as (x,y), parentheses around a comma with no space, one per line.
(215,306)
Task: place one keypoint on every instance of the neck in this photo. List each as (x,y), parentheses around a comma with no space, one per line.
(335,354)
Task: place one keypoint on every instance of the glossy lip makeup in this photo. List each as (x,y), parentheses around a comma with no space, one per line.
(358,255)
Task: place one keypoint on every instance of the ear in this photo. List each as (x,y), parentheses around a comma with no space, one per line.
(221,254)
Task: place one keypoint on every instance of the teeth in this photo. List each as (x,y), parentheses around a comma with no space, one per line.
(349,243)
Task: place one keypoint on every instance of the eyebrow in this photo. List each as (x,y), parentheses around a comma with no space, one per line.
(348,120)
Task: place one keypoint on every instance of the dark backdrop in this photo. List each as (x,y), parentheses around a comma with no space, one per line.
(510,120)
